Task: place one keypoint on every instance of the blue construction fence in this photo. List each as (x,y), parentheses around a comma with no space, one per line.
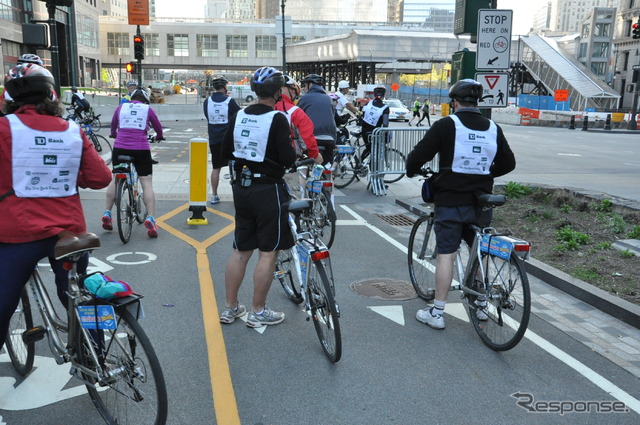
(542,103)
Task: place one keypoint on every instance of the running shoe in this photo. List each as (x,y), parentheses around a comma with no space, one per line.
(152,228)
(229,315)
(215,199)
(107,221)
(267,317)
(427,317)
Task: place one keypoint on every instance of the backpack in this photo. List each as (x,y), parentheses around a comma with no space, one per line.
(299,144)
(425,107)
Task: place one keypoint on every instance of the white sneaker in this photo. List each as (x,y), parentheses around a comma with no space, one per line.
(215,199)
(425,316)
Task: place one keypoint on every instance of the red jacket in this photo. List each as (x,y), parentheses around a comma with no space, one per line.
(302,122)
(30,219)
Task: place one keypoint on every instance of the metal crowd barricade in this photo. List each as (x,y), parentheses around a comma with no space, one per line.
(402,139)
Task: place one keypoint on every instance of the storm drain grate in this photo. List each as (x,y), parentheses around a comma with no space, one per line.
(397,219)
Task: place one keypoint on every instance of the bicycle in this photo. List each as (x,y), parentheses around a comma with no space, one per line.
(351,162)
(130,205)
(493,283)
(305,274)
(90,118)
(317,186)
(106,347)
(100,143)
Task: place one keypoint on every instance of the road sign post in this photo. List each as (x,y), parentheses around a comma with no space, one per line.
(495,89)
(494,39)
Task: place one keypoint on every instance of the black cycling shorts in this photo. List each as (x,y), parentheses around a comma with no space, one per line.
(141,159)
(261,221)
(216,159)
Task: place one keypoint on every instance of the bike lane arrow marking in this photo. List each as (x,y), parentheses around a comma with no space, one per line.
(391,312)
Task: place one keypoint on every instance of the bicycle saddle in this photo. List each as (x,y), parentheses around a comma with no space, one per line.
(298,205)
(71,243)
(491,200)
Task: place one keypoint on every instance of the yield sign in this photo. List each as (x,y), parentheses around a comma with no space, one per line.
(492,80)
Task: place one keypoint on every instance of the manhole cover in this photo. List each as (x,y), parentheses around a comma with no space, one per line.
(384,289)
(397,219)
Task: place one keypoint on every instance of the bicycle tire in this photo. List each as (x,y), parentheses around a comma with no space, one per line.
(421,257)
(324,311)
(393,157)
(286,274)
(124,209)
(103,146)
(96,124)
(326,217)
(20,353)
(508,303)
(133,390)
(141,211)
(344,172)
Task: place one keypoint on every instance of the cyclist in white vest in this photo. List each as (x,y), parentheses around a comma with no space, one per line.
(259,144)
(43,160)
(374,114)
(472,151)
(129,126)
(218,109)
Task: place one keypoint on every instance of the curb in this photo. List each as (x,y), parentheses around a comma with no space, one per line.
(620,309)
(617,307)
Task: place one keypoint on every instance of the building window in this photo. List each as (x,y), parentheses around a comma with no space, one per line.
(207,45)
(598,68)
(625,62)
(600,50)
(178,44)
(298,39)
(151,44)
(87,31)
(237,46)
(118,44)
(602,30)
(266,46)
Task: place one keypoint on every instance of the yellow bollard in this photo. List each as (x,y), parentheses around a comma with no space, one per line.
(198,159)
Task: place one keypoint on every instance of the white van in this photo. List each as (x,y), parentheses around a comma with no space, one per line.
(241,92)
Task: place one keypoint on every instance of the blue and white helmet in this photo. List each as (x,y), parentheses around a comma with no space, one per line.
(267,81)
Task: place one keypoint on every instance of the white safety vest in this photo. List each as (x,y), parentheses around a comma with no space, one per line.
(250,135)
(474,149)
(45,163)
(218,112)
(133,115)
(372,113)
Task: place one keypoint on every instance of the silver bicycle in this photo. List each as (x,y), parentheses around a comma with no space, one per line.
(102,340)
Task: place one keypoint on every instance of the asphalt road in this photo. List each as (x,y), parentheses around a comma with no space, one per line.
(394,370)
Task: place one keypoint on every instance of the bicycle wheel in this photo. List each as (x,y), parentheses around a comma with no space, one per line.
(325,217)
(140,206)
(103,146)
(393,160)
(324,311)
(20,353)
(286,274)
(508,304)
(421,257)
(96,124)
(124,209)
(132,389)
(344,172)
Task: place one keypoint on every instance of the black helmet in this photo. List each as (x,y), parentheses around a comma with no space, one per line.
(219,83)
(466,90)
(313,78)
(29,83)
(141,95)
(379,91)
(267,81)
(30,58)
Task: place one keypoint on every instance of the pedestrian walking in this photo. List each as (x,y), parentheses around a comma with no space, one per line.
(425,113)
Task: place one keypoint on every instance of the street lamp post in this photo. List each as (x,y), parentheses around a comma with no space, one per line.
(284,52)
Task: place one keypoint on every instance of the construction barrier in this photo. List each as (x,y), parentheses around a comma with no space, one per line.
(383,140)
(525,120)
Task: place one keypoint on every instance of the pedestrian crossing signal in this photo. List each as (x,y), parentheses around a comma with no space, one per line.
(130,67)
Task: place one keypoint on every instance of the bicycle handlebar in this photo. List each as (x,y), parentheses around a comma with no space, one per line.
(301,163)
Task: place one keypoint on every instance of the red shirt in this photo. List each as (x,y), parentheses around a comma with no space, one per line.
(31,219)
(304,124)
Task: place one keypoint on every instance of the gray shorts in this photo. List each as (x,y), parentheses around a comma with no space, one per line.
(451,226)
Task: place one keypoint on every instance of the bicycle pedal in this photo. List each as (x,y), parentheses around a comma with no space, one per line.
(34,334)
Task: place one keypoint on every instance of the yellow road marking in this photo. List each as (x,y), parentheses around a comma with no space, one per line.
(224,398)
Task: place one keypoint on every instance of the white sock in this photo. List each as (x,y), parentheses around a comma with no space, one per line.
(438,307)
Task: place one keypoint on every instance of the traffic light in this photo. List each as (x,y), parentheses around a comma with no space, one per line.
(130,67)
(636,30)
(138,47)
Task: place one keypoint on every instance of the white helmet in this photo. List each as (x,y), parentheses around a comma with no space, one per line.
(344,84)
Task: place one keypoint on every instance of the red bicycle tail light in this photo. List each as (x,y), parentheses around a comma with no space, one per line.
(327,184)
(522,247)
(121,176)
(321,255)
